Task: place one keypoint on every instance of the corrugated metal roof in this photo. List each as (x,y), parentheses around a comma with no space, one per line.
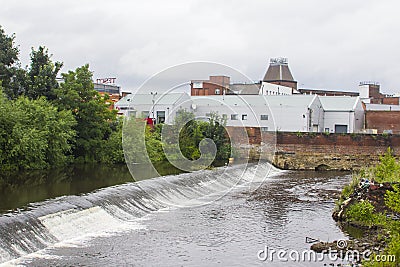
(256,100)
(381,107)
(147,99)
(338,103)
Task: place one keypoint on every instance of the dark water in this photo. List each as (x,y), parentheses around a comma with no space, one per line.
(18,189)
(222,217)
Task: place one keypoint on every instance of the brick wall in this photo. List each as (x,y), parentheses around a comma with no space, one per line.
(310,151)
(383,120)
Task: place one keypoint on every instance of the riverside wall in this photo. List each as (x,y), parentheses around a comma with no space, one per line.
(312,151)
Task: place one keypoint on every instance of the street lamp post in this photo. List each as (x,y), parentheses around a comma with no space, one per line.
(153,100)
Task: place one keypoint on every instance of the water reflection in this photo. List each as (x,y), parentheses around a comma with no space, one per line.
(18,189)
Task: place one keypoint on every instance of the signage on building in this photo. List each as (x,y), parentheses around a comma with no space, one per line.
(106,80)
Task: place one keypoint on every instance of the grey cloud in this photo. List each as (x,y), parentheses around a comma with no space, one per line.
(330,44)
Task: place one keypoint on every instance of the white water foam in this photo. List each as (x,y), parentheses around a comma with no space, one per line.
(71,224)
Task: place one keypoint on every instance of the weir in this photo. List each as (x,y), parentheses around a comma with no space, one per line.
(118,208)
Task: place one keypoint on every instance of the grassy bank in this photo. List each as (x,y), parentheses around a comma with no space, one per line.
(371,203)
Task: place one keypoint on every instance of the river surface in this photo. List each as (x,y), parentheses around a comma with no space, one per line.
(228,216)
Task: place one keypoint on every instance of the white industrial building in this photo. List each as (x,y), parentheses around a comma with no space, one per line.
(271,113)
(342,114)
(286,113)
(161,108)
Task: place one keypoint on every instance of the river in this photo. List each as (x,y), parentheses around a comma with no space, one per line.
(228,216)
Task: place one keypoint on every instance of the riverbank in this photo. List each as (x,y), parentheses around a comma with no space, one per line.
(369,211)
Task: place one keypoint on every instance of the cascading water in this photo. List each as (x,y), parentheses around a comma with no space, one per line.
(117,208)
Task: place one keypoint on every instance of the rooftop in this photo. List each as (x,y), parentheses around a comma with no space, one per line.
(256,100)
(278,70)
(380,107)
(338,103)
(147,99)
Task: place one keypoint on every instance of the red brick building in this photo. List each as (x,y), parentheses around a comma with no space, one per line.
(216,85)
(383,118)
(370,93)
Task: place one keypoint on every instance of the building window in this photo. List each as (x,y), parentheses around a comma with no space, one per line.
(327,130)
(217,91)
(264,129)
(264,117)
(244,117)
(224,116)
(234,117)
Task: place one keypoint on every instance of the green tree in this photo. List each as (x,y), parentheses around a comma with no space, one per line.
(192,132)
(42,74)
(95,121)
(215,130)
(33,134)
(9,71)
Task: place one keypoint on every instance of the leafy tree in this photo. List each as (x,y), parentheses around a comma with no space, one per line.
(42,75)
(94,119)
(215,130)
(192,132)
(9,71)
(114,153)
(33,134)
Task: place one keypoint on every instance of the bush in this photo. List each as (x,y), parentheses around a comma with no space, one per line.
(34,134)
(388,170)
(361,212)
(392,199)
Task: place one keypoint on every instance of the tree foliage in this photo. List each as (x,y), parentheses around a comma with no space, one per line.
(95,122)
(42,74)
(190,133)
(388,169)
(9,64)
(34,134)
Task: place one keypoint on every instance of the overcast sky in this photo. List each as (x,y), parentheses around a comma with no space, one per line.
(329,44)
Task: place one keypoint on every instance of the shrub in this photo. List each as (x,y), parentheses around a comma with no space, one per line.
(362,212)
(388,170)
(392,199)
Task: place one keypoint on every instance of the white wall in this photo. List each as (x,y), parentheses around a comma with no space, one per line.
(253,118)
(317,115)
(364,93)
(359,115)
(333,118)
(274,89)
(170,109)
(280,118)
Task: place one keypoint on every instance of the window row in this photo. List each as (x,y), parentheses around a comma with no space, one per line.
(235,117)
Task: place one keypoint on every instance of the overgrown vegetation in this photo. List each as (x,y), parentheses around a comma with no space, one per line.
(181,139)
(383,217)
